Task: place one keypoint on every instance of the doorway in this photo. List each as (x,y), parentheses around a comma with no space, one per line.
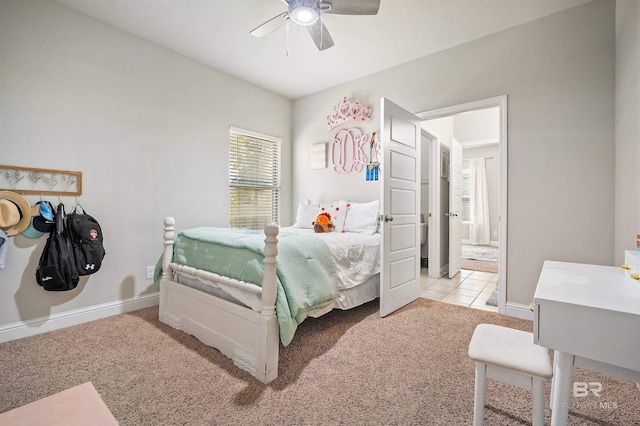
(487,239)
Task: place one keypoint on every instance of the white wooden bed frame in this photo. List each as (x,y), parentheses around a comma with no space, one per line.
(251,339)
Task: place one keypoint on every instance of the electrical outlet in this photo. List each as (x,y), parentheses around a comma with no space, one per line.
(150,271)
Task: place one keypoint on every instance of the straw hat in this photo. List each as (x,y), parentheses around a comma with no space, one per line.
(15,213)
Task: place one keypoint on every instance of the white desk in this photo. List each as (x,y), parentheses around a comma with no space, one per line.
(590,315)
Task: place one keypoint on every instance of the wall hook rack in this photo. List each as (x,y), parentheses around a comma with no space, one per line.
(28,180)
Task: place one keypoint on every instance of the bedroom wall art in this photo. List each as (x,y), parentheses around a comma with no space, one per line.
(346,150)
(348,111)
(318,156)
(346,153)
(27,180)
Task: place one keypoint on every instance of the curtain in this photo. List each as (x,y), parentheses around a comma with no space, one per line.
(480,228)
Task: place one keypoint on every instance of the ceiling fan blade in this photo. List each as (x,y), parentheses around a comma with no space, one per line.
(270,26)
(320,35)
(352,7)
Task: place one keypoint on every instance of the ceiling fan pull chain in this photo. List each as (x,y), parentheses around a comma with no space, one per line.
(287,47)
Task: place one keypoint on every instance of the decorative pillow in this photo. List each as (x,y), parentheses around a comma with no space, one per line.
(338,212)
(306,215)
(362,217)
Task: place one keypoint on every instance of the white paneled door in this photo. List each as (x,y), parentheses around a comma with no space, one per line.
(400,207)
(455,208)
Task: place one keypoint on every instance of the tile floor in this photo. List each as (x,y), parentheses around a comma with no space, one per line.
(467,288)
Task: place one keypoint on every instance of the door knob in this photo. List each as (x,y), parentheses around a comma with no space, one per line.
(388,218)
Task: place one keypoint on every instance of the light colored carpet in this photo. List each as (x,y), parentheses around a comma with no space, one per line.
(345,368)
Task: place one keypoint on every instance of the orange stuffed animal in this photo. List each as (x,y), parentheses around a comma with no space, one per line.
(322,223)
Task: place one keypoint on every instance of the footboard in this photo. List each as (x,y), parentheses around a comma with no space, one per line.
(249,338)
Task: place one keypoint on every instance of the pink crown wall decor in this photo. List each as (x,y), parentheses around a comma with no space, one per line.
(348,111)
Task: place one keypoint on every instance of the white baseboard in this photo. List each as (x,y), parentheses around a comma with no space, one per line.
(519,311)
(20,329)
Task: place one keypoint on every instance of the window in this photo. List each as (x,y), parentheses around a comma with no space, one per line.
(466,196)
(254,179)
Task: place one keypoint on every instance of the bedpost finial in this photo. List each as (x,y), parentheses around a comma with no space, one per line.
(169,230)
(272,229)
(271,242)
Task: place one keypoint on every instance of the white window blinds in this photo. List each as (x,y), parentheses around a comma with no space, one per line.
(254,179)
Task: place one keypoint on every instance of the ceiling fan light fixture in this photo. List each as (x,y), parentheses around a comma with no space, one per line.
(304,15)
(309,13)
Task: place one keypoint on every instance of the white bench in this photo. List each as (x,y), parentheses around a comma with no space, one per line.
(509,356)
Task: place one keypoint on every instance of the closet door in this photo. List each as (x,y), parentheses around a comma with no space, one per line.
(400,206)
(455,208)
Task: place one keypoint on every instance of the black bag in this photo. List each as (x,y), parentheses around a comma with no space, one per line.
(86,237)
(57,269)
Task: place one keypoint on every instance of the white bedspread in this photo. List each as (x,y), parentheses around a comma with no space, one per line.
(356,255)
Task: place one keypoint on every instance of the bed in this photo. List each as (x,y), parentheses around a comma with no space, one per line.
(245,292)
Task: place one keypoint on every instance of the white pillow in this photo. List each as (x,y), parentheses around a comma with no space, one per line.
(362,217)
(338,212)
(306,215)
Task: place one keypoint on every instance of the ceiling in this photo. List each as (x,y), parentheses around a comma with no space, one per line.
(216,33)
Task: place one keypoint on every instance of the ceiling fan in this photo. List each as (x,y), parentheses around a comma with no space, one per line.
(308,13)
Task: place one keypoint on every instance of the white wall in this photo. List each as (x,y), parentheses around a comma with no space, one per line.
(148,129)
(479,126)
(627,216)
(442,127)
(558,73)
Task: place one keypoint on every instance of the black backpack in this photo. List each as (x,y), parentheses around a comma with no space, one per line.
(86,237)
(57,269)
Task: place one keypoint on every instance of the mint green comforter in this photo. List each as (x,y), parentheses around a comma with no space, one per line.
(307,281)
